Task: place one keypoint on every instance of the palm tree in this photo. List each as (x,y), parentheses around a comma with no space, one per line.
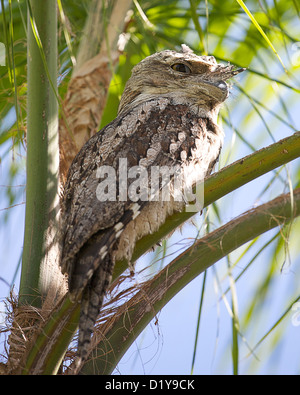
(245,240)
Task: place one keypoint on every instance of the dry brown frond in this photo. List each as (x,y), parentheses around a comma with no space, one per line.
(22,324)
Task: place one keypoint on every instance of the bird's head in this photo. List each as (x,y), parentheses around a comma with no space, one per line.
(186,78)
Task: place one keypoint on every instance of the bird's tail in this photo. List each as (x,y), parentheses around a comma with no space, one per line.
(91,303)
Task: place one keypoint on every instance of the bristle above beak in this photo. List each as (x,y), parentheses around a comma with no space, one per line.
(237,71)
(224,72)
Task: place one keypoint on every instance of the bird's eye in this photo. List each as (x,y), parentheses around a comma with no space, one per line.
(182,68)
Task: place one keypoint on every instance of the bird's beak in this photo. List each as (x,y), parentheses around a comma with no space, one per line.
(221,75)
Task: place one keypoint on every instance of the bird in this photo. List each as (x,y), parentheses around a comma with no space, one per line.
(120,187)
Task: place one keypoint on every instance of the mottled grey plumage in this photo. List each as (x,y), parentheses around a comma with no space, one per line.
(167,117)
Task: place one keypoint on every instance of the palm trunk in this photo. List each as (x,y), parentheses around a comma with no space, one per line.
(40,254)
